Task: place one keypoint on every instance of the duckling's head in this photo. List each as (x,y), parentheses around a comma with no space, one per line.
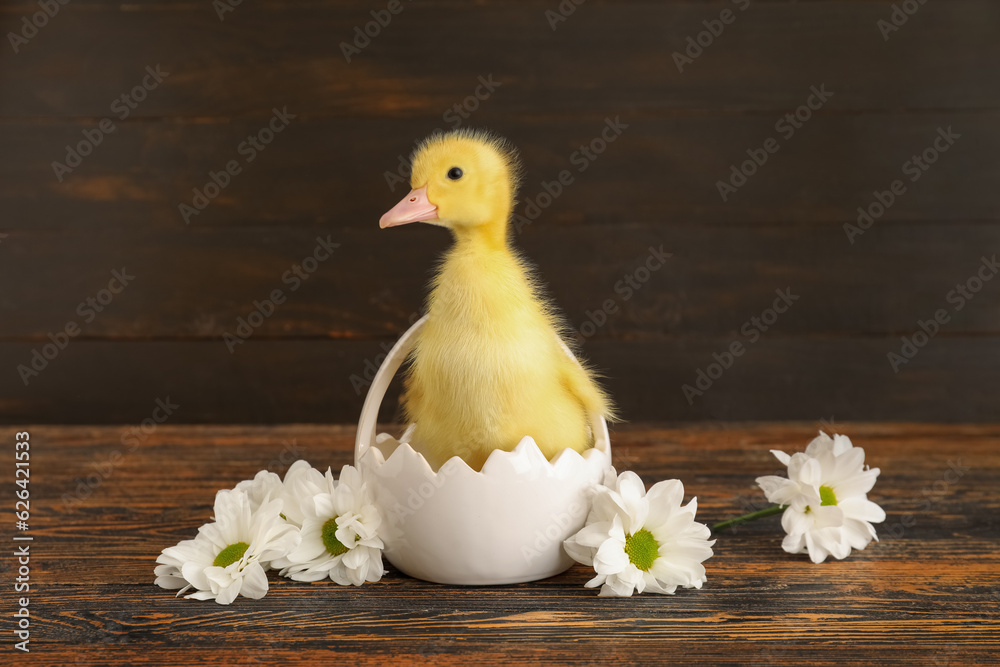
(463,180)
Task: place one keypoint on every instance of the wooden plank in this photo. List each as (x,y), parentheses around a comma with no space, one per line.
(259,56)
(451,647)
(202,282)
(777,377)
(924,593)
(92,473)
(666,171)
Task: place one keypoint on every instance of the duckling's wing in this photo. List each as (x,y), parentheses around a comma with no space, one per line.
(579,380)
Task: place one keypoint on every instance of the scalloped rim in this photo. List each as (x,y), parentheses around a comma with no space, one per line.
(525,450)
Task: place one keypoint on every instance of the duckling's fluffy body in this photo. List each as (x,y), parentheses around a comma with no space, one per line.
(488,368)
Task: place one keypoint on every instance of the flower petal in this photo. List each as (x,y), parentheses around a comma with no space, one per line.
(610,557)
(862,509)
(254,582)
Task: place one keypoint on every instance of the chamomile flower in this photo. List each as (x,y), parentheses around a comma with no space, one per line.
(301,481)
(339,532)
(638,541)
(264,486)
(168,572)
(826,497)
(226,558)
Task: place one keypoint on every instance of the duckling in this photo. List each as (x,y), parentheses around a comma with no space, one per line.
(488,368)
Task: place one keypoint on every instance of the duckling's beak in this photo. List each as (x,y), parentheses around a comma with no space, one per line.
(414,207)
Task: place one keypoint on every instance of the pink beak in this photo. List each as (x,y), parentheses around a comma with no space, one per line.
(414,207)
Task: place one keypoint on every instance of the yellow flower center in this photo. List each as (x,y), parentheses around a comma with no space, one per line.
(231,554)
(330,541)
(642,549)
(827,496)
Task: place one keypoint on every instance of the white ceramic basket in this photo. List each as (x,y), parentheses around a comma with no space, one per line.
(503,525)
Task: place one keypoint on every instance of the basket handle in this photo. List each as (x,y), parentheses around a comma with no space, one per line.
(380,384)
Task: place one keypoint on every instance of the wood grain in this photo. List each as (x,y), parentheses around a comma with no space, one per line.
(926,592)
(663,171)
(605,58)
(198,285)
(281,381)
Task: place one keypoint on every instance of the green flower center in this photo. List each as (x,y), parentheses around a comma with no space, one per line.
(827,496)
(330,541)
(642,549)
(231,554)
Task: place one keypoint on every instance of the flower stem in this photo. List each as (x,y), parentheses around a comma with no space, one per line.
(753,516)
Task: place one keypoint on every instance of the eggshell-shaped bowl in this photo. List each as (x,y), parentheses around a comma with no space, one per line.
(503,525)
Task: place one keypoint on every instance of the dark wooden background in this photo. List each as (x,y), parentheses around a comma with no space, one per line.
(324,176)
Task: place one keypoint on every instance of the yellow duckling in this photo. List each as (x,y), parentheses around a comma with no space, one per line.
(488,367)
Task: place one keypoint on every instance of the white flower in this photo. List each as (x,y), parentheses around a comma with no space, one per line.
(339,532)
(301,480)
(225,559)
(641,541)
(168,573)
(826,493)
(264,486)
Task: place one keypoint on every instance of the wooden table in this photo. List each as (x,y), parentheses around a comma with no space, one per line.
(102,508)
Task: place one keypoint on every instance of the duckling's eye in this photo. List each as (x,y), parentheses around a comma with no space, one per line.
(454,173)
